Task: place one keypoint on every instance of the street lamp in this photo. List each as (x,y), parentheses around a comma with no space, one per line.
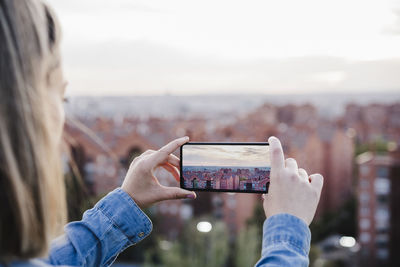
(347,241)
(204,227)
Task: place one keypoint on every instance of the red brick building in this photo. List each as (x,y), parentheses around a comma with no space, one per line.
(378,216)
(108,146)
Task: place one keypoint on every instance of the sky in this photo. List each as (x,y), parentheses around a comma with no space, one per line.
(226,155)
(153,47)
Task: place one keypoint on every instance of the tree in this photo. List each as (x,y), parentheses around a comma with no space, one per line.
(197,249)
(248,241)
(342,222)
(248,246)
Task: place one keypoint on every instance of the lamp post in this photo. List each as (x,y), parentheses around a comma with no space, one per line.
(205,227)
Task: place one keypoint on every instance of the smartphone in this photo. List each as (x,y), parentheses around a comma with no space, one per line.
(225,167)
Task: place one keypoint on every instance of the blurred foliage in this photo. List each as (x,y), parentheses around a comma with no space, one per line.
(342,222)
(334,263)
(248,242)
(314,255)
(258,216)
(78,199)
(248,246)
(194,248)
(379,146)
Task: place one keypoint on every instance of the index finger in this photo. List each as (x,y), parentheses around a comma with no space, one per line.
(276,153)
(174,145)
(317,180)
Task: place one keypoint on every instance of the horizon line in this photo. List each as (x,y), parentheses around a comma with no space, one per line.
(331,92)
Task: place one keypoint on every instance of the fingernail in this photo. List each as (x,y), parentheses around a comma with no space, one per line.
(190,196)
(273,140)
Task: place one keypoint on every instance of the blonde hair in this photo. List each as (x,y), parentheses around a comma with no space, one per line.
(32,197)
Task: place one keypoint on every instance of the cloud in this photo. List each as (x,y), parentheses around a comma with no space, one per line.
(130,68)
(102,7)
(227,155)
(395,27)
(183,47)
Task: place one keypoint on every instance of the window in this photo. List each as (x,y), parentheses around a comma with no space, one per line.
(382,253)
(382,186)
(382,172)
(382,240)
(90,169)
(382,200)
(364,198)
(365,223)
(365,237)
(382,213)
(382,231)
(364,183)
(381,223)
(364,211)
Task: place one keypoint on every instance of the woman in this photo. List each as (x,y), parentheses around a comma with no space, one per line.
(32,204)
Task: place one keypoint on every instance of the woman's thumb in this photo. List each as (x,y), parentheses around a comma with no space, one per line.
(178,193)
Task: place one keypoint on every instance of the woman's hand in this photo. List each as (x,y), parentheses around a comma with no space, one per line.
(141,183)
(291,189)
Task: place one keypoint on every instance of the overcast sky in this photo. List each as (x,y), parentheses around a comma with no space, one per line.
(155,47)
(226,155)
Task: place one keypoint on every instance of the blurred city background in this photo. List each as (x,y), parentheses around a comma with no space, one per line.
(323,76)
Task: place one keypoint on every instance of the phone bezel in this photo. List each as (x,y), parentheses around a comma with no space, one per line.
(218,143)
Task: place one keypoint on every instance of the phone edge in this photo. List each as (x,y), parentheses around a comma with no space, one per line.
(216,190)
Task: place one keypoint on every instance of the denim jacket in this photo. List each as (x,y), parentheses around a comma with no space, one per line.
(116,222)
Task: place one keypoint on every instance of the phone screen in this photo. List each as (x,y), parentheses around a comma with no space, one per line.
(225,167)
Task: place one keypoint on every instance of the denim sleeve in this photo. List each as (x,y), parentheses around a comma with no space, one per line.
(286,242)
(114,224)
